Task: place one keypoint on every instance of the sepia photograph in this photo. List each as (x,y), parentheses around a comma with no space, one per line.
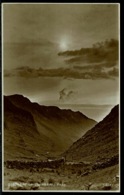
(61,97)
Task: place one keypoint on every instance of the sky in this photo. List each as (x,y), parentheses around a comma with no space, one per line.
(65,54)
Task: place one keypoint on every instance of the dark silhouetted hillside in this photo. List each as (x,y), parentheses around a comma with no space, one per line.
(34,130)
(102,141)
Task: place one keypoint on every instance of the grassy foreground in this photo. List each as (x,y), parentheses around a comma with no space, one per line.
(62,179)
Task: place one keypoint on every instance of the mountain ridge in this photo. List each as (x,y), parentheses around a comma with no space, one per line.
(55,129)
(27,101)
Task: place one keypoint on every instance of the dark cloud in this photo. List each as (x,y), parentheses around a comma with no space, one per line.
(75,73)
(106,51)
(100,61)
(100,68)
(108,44)
(64,94)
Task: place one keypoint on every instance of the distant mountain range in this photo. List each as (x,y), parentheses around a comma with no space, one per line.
(35,131)
(100,142)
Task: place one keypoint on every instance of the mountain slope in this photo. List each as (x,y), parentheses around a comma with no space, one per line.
(21,137)
(43,130)
(102,141)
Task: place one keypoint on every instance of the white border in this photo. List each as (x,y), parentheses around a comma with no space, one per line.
(2,19)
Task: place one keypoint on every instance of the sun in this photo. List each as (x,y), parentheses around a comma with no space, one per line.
(63,44)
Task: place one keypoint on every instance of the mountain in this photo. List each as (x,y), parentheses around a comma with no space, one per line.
(32,130)
(100,142)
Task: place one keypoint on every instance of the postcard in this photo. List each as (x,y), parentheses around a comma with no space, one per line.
(61,97)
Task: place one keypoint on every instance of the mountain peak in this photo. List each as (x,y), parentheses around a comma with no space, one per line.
(18,97)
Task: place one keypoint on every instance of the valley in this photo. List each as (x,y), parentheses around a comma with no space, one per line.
(49,149)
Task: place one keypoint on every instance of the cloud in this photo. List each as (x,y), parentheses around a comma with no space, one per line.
(98,48)
(102,69)
(100,55)
(98,62)
(74,73)
(64,94)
